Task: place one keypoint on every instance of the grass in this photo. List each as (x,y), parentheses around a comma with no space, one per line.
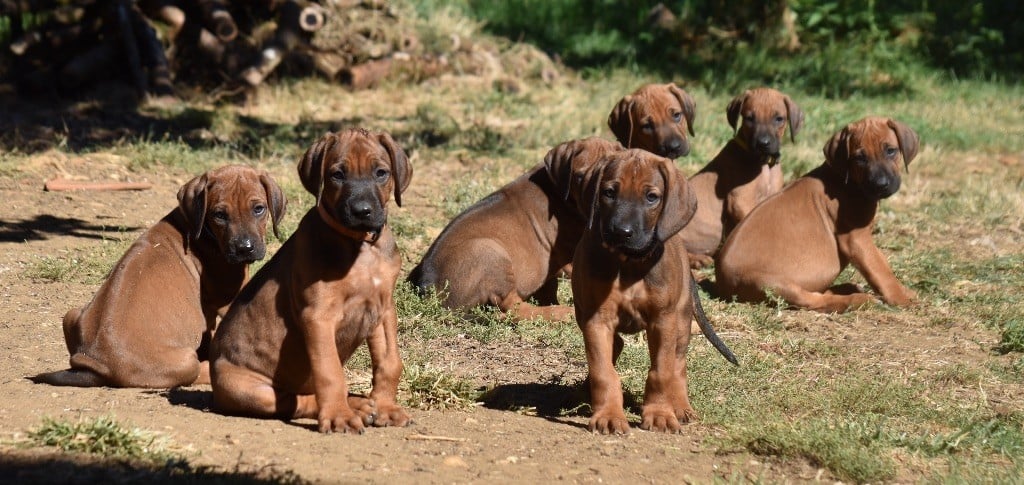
(102,436)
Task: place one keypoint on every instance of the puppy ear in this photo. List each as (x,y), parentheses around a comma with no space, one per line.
(732,112)
(620,121)
(679,201)
(908,141)
(311,167)
(591,193)
(796,117)
(688,104)
(558,165)
(837,151)
(276,198)
(401,169)
(192,202)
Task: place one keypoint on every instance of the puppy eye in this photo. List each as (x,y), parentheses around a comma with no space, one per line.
(653,197)
(220,216)
(381,174)
(677,117)
(338,175)
(608,193)
(779,120)
(749,119)
(259,210)
(648,127)
(890,151)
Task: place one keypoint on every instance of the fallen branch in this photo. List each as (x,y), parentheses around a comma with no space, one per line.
(61,185)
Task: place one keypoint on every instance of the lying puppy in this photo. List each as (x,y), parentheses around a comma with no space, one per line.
(796,243)
(744,173)
(630,273)
(160,302)
(656,118)
(511,246)
(280,350)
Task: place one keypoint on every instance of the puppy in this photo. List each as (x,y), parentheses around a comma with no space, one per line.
(152,318)
(630,274)
(281,349)
(797,242)
(744,173)
(512,245)
(656,118)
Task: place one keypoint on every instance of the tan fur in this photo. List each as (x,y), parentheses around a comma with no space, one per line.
(797,242)
(656,118)
(147,324)
(281,349)
(512,245)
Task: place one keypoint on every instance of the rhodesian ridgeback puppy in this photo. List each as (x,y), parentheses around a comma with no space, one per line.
(151,320)
(797,242)
(744,173)
(511,246)
(656,118)
(630,274)
(281,349)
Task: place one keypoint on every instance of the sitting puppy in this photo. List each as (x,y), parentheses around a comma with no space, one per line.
(630,273)
(280,350)
(744,173)
(656,118)
(148,324)
(512,245)
(797,242)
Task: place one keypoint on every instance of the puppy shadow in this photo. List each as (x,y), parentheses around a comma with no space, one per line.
(42,227)
(552,401)
(195,398)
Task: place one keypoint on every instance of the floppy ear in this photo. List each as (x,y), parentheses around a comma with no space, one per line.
(732,112)
(311,167)
(277,200)
(796,117)
(688,104)
(680,201)
(908,141)
(620,122)
(591,196)
(837,151)
(558,165)
(192,202)
(400,166)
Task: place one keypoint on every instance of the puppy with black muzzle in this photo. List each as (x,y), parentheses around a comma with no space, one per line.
(656,118)
(630,274)
(797,242)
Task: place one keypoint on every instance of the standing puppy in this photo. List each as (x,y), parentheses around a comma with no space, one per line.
(744,173)
(511,246)
(146,325)
(656,118)
(630,274)
(796,243)
(281,348)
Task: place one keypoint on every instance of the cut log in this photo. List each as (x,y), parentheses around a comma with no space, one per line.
(218,20)
(60,185)
(365,75)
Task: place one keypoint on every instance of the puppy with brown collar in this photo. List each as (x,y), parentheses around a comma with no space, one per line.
(630,274)
(281,349)
(797,242)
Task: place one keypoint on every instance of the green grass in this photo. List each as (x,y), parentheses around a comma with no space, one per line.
(102,436)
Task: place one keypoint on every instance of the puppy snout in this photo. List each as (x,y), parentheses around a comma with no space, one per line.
(362,209)
(764,142)
(621,234)
(675,147)
(883,185)
(245,249)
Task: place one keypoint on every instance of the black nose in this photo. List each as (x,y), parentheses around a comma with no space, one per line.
(245,247)
(361,209)
(764,142)
(621,234)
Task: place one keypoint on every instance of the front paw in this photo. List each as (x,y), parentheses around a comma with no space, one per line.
(660,418)
(904,297)
(364,407)
(609,422)
(341,421)
(391,415)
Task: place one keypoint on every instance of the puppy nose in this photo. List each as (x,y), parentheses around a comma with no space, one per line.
(673,144)
(622,233)
(361,209)
(245,246)
(764,142)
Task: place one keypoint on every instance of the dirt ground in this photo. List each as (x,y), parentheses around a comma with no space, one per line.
(440,447)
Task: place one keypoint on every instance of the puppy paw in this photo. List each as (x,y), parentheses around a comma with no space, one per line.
(392,415)
(698,261)
(686,414)
(905,297)
(364,407)
(344,421)
(660,418)
(609,422)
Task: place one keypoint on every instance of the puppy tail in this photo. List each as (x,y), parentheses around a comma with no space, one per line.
(705,325)
(70,377)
